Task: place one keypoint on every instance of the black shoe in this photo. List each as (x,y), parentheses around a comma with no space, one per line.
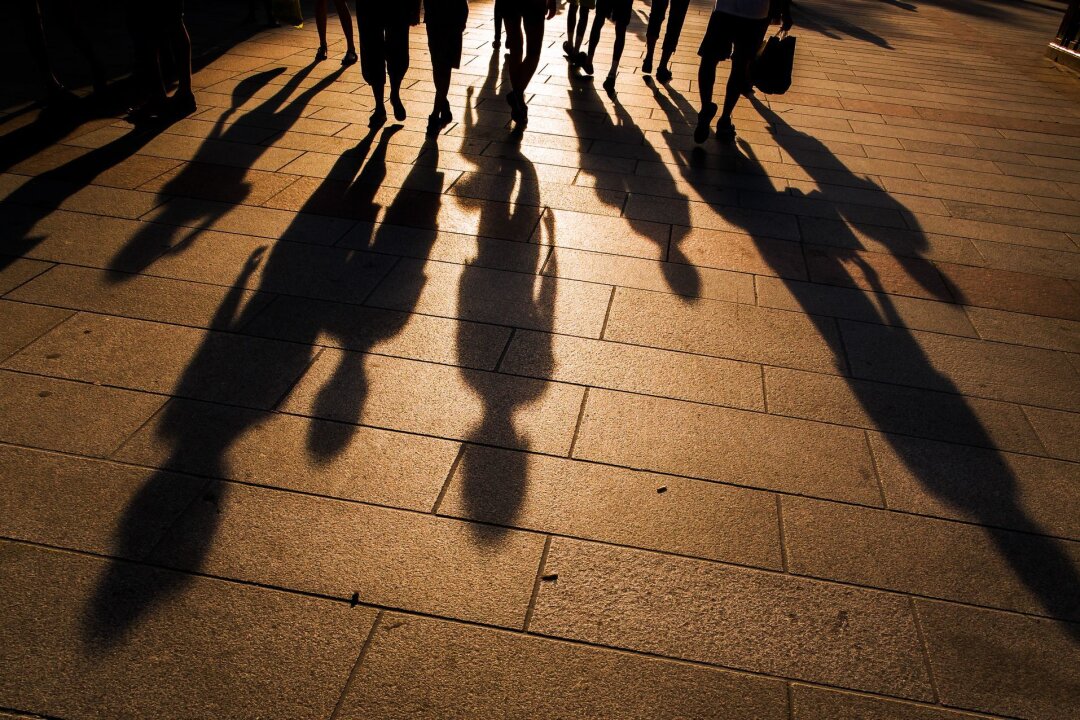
(725,131)
(180,105)
(701,132)
(399,108)
(377,118)
(609,84)
(349,59)
(585,62)
(568,49)
(320,54)
(663,75)
(445,115)
(646,65)
(518,112)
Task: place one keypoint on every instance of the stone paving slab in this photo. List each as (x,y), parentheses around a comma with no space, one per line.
(594,422)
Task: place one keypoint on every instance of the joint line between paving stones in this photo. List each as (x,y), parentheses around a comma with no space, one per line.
(46,331)
(607,312)
(874,468)
(1038,436)
(116,451)
(449,477)
(349,681)
(790,692)
(35,276)
(780,536)
(505,350)
(299,376)
(536,584)
(924,648)
(577,425)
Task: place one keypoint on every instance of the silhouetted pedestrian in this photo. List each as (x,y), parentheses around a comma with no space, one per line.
(345,17)
(445,23)
(384,50)
(618,11)
(577,22)
(527,15)
(33,24)
(158,28)
(735,30)
(498,24)
(671,37)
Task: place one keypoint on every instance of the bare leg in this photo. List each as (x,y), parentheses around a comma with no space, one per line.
(346,23)
(181,43)
(583,23)
(320,25)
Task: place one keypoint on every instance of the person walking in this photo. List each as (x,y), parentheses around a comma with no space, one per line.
(618,11)
(577,22)
(524,21)
(384,50)
(445,22)
(345,17)
(671,37)
(736,29)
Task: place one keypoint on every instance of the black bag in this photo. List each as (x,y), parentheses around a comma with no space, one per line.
(771,71)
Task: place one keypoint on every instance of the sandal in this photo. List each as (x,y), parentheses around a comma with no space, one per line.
(701,132)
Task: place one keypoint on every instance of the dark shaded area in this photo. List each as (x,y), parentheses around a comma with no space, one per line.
(201,434)
(1039,561)
(530,295)
(585,107)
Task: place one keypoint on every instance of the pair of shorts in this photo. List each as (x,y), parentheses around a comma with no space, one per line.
(618,11)
(729,35)
(587,4)
(445,22)
(514,11)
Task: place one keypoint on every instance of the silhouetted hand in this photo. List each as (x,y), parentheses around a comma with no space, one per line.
(785,19)
(551,9)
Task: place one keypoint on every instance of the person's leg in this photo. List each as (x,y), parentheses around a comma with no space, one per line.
(397,63)
(713,49)
(320,25)
(34,32)
(583,24)
(748,35)
(498,24)
(534,40)
(181,46)
(652,33)
(671,37)
(345,17)
(616,54)
(373,60)
(73,25)
(594,39)
(571,23)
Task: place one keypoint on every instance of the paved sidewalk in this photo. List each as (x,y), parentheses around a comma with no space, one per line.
(304,420)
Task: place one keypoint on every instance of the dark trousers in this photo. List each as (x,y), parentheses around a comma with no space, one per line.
(675,22)
(384,45)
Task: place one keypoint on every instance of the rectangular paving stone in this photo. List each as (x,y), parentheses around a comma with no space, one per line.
(597,233)
(21,324)
(386,332)
(14,271)
(887,407)
(89,505)
(135,296)
(69,416)
(425,668)
(1012,291)
(250,220)
(471,292)
(1001,662)
(312,456)
(439,400)
(633,368)
(714,217)
(863,306)
(109,642)
(392,558)
(812,703)
(1008,490)
(735,617)
(1058,431)
(625,507)
(739,252)
(1021,329)
(896,275)
(670,277)
(708,442)
(923,556)
(95,241)
(731,330)
(206,181)
(1032,376)
(225,367)
(1037,261)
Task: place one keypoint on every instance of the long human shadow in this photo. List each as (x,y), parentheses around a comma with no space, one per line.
(41,195)
(681,277)
(177,224)
(989,494)
(530,298)
(200,434)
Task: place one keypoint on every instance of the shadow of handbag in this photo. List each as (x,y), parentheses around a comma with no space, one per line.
(771,71)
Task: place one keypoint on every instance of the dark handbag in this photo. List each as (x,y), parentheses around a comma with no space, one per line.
(771,71)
